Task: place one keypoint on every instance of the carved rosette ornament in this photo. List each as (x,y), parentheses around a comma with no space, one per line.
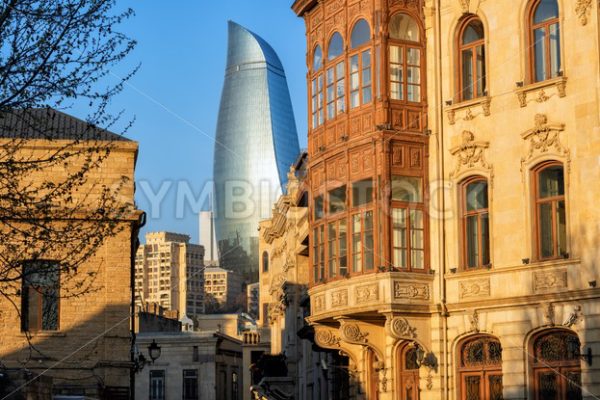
(400,328)
(469,154)
(351,333)
(545,138)
(582,9)
(325,338)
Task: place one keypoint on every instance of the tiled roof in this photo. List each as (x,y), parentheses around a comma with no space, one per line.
(48,123)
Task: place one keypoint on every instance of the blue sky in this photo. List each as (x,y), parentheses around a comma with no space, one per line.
(175,95)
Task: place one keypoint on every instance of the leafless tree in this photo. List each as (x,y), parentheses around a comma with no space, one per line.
(56,55)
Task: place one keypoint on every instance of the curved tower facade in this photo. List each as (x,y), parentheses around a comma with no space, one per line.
(255,145)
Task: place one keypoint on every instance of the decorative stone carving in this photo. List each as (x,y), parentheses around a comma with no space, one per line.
(404,3)
(485,104)
(367,293)
(474,288)
(469,154)
(474,320)
(540,95)
(401,328)
(543,138)
(549,314)
(351,333)
(318,303)
(549,281)
(574,317)
(464,5)
(582,9)
(339,298)
(411,291)
(325,338)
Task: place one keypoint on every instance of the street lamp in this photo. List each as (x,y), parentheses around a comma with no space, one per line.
(154,351)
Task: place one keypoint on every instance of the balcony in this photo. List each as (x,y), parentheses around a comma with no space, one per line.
(372,294)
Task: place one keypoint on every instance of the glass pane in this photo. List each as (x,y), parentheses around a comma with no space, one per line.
(354,63)
(477,195)
(539,48)
(414,93)
(343,247)
(332,236)
(495,382)
(366,59)
(473,32)
(548,386)
(472,387)
(413,75)
(485,239)
(50,309)
(354,99)
(317,59)
(399,237)
(411,359)
(366,94)
(395,54)
(413,56)
(396,73)
(319,207)
(472,223)
(417,260)
(547,9)
(339,70)
(494,352)
(480,64)
(551,182)
(362,192)
(407,188)
(545,230)
(337,199)
(554,50)
(561,228)
(369,262)
(467,74)
(356,244)
(403,27)
(330,76)
(395,91)
(360,34)
(336,46)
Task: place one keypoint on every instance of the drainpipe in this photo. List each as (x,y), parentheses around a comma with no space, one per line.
(135,243)
(441,198)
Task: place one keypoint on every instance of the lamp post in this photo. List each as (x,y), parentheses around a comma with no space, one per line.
(154,351)
(140,360)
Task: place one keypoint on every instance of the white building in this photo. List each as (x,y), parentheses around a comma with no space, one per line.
(207,238)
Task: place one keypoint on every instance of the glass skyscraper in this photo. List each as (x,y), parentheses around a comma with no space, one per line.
(256,143)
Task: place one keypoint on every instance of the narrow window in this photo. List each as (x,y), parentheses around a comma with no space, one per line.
(337,199)
(405,59)
(157,385)
(337,251)
(235,389)
(360,66)
(472,59)
(480,369)
(556,366)
(408,371)
(545,40)
(362,241)
(475,221)
(408,224)
(362,192)
(190,384)
(335,77)
(551,219)
(317,101)
(318,249)
(265,261)
(319,207)
(40,296)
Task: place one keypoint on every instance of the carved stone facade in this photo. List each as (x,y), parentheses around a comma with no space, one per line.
(374,316)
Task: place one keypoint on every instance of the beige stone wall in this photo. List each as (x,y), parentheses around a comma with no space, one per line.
(93,340)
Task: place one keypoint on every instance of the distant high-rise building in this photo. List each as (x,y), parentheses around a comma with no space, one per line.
(208,238)
(222,288)
(253,299)
(169,272)
(255,145)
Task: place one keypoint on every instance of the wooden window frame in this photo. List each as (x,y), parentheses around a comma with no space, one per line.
(554,200)
(473,46)
(484,371)
(559,367)
(27,287)
(332,64)
(532,27)
(361,211)
(358,52)
(403,46)
(335,242)
(318,255)
(317,102)
(463,224)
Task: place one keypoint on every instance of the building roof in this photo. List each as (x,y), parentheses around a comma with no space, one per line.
(51,124)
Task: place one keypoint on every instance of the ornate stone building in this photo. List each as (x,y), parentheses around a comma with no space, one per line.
(453,161)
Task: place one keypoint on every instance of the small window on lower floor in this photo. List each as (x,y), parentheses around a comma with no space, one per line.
(40,296)
(157,385)
(190,384)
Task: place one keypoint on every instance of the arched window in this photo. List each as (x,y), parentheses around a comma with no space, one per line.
(472,59)
(317,59)
(544,40)
(480,368)
(408,372)
(336,100)
(475,223)
(360,65)
(265,261)
(556,368)
(405,58)
(550,212)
